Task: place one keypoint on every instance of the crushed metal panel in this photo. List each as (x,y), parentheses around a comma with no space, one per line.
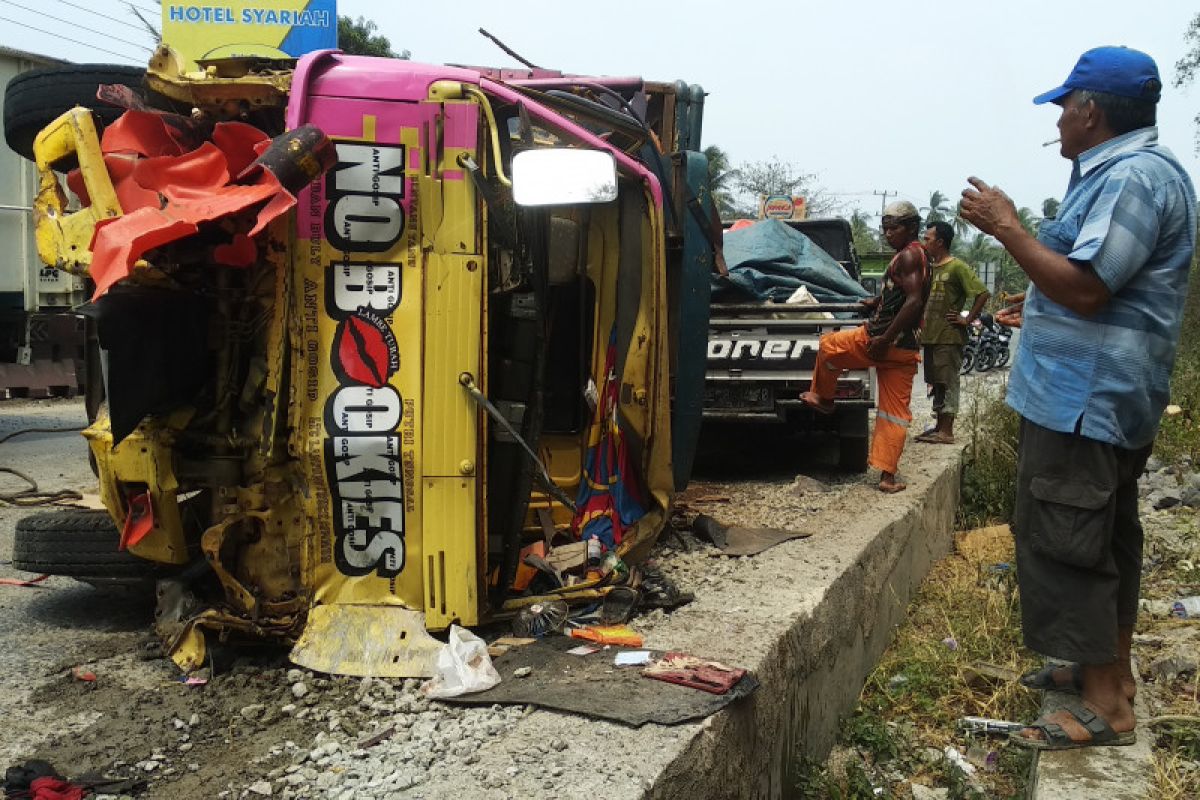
(378,641)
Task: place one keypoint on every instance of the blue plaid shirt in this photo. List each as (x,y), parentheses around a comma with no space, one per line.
(1130,212)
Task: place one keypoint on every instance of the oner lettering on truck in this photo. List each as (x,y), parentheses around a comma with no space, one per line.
(364,464)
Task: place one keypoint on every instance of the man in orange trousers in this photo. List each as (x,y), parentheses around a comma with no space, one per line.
(889,341)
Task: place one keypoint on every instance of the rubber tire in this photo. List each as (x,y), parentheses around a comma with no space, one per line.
(1002,356)
(984,359)
(81,545)
(968,362)
(37,97)
(854,439)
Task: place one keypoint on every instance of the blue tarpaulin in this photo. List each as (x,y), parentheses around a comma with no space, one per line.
(769,260)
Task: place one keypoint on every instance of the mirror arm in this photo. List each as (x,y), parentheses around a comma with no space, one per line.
(483,101)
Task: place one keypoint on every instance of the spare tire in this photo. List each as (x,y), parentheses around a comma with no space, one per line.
(37,97)
(81,545)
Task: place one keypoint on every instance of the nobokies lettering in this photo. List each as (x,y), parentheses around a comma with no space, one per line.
(364,463)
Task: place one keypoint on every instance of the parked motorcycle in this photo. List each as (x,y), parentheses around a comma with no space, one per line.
(986,347)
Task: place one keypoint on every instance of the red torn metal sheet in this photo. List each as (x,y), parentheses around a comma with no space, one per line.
(139,521)
(165,195)
(141,133)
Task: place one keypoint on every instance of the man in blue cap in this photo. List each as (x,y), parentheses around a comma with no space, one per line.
(1101,324)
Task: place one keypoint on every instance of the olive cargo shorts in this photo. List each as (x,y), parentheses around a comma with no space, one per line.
(942,363)
(1079,542)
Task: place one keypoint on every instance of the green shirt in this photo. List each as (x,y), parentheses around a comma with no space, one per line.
(952,286)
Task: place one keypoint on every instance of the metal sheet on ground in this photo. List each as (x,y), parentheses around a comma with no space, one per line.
(752,541)
(590,685)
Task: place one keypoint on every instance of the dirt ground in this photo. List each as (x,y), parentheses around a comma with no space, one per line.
(250,727)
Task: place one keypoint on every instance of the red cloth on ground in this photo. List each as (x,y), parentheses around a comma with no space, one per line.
(54,789)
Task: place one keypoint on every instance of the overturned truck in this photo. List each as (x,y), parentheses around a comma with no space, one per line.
(368,334)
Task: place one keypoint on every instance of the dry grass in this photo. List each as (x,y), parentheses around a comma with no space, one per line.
(1172,560)
(1175,777)
(923,684)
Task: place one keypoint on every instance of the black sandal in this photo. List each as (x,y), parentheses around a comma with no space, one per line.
(1044,679)
(1057,739)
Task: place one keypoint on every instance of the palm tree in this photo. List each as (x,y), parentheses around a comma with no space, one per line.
(937,210)
(863,233)
(720,173)
(961,226)
(1049,208)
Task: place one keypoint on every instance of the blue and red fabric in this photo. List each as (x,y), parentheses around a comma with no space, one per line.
(609,499)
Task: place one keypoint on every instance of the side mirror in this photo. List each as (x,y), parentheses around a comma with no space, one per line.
(562,176)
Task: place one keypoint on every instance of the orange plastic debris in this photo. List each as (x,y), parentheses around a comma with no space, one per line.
(621,635)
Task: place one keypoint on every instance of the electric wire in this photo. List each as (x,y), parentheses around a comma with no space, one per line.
(87,10)
(81,27)
(59,36)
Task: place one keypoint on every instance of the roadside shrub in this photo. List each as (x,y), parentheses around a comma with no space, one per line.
(1179,437)
(990,460)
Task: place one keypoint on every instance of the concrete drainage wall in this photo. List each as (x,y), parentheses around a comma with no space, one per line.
(858,583)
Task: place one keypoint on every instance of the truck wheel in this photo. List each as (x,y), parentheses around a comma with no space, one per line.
(854,439)
(80,545)
(37,97)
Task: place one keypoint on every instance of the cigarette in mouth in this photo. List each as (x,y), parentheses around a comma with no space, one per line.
(1052,141)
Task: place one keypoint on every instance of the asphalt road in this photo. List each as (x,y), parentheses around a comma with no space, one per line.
(58,624)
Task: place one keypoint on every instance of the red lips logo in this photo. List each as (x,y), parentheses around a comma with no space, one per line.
(364,350)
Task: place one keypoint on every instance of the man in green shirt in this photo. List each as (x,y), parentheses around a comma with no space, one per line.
(952,285)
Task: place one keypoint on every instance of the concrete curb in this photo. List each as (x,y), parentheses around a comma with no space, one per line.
(856,586)
(810,617)
(1114,773)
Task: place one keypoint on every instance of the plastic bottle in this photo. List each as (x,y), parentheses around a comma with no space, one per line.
(1186,607)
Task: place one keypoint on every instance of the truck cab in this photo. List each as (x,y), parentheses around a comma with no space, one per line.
(474,326)
(761,356)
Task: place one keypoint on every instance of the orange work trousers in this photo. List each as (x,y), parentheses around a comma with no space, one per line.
(894,375)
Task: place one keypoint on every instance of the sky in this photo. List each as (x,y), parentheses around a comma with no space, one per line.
(871,96)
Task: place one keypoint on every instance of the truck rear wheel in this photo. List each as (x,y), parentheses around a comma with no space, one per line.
(80,545)
(854,439)
(35,98)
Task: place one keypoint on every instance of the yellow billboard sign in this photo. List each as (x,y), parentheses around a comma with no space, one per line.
(240,28)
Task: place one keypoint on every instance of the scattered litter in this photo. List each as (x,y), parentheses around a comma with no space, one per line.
(192,680)
(981,673)
(584,650)
(522,672)
(737,541)
(897,681)
(376,738)
(463,666)
(619,604)
(609,634)
(984,759)
(81,674)
(708,529)
(506,643)
(32,582)
(957,759)
(1186,607)
(950,642)
(540,619)
(632,658)
(988,725)
(708,676)
(659,591)
(588,686)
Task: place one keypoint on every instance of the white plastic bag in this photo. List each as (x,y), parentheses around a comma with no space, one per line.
(463,666)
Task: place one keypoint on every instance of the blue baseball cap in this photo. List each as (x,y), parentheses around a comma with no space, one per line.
(1114,70)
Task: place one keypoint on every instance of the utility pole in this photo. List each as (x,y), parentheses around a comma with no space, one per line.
(883,202)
